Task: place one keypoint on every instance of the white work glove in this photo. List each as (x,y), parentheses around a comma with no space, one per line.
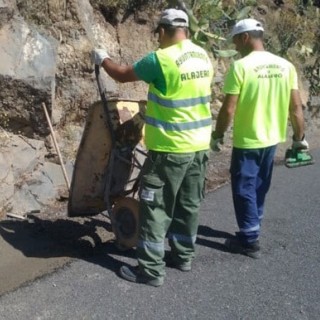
(216,142)
(299,144)
(98,55)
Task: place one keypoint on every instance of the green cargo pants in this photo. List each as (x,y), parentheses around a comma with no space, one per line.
(172,187)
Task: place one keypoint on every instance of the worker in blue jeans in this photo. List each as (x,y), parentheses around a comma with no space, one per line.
(261,93)
(251,172)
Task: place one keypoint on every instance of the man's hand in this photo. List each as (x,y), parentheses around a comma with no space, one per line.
(216,142)
(98,55)
(299,144)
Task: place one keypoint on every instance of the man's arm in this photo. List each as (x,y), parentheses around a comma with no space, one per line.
(296,115)
(226,114)
(118,72)
(224,119)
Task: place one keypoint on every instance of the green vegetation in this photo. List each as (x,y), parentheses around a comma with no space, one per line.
(292,26)
(292,30)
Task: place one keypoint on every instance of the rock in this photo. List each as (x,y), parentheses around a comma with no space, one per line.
(25,154)
(27,181)
(23,201)
(55,174)
(6,182)
(7,8)
(315,101)
(27,76)
(41,188)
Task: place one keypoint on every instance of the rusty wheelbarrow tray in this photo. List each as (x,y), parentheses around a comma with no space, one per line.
(108,164)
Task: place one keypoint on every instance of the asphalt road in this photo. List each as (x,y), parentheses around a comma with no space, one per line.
(283,284)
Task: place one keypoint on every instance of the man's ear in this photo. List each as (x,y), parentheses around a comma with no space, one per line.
(161,32)
(245,37)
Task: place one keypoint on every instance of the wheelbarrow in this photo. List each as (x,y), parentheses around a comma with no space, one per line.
(107,168)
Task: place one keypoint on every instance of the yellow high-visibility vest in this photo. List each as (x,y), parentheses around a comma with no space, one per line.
(179,121)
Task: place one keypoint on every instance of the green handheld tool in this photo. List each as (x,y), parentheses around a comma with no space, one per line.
(298,158)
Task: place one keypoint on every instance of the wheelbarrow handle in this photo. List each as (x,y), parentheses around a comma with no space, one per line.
(104,103)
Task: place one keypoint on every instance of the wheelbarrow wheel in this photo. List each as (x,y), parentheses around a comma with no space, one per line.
(125,222)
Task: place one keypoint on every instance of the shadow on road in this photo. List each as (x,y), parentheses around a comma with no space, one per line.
(90,240)
(45,238)
(205,232)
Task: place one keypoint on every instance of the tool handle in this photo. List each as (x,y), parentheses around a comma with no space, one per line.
(56,145)
(104,102)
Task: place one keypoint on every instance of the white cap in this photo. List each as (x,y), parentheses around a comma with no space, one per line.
(174,17)
(246,25)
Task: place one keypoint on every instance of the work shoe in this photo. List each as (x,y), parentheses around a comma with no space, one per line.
(182,266)
(133,274)
(251,250)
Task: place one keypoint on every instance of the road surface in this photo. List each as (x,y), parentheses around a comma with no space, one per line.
(283,284)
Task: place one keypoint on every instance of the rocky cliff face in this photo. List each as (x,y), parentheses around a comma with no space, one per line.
(45,49)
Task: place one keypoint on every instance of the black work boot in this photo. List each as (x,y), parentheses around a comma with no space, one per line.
(184,266)
(251,250)
(133,274)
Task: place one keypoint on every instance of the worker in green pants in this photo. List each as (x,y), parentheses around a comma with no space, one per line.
(172,187)
(177,136)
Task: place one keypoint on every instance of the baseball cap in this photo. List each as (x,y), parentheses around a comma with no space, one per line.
(246,25)
(174,17)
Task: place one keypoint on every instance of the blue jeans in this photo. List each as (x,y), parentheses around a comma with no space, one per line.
(251,172)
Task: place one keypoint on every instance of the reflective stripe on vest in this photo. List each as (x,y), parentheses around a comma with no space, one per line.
(178,126)
(178,103)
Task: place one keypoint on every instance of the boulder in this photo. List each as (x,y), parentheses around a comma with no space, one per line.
(7,8)
(28,182)
(27,77)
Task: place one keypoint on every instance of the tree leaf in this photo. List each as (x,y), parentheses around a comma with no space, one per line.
(212,36)
(243,13)
(225,53)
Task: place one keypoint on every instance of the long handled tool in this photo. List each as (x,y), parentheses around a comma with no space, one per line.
(56,146)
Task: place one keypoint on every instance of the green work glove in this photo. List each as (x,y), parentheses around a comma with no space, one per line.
(299,144)
(216,142)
